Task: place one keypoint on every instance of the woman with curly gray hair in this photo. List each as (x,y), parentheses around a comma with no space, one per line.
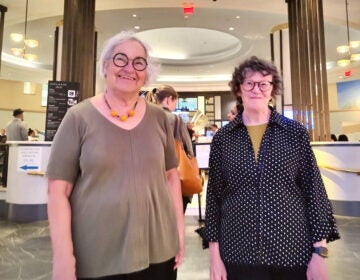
(268,216)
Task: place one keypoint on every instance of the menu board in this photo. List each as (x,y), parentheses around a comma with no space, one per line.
(61,96)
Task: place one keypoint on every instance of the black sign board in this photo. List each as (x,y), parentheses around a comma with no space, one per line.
(61,96)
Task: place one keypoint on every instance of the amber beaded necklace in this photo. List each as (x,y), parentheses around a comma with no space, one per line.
(115,114)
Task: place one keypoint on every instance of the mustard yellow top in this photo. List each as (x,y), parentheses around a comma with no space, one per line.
(256,133)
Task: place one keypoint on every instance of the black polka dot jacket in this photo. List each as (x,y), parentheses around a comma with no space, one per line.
(268,212)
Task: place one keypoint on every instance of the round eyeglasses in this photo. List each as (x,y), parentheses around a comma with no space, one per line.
(121,60)
(250,85)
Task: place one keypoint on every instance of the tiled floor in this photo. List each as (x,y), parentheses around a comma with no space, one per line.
(25,251)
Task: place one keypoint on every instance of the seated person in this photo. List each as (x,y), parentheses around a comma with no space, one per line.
(343,137)
(2,136)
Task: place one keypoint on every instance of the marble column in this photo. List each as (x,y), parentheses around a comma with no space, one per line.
(78,58)
(308,67)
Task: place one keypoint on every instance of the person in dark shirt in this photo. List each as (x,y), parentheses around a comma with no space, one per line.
(2,136)
(343,137)
(193,135)
(214,128)
(267,212)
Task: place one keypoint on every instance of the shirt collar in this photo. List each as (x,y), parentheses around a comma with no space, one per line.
(275,118)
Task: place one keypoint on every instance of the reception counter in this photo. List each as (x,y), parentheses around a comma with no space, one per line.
(26,191)
(339,164)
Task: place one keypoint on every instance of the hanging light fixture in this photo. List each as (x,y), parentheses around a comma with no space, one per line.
(16,37)
(348,53)
(31,43)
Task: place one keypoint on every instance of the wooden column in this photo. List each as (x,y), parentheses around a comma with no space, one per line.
(308,67)
(3,10)
(78,45)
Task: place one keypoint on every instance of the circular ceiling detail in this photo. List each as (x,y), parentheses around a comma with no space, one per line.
(190,46)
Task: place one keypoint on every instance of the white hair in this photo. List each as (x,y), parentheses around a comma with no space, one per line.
(153,67)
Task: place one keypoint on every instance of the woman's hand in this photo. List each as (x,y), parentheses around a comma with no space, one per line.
(175,191)
(59,213)
(179,257)
(63,268)
(317,268)
(217,267)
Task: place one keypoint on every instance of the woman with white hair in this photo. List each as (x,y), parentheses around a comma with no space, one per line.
(114,196)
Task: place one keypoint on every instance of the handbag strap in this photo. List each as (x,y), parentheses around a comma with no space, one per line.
(175,125)
(178,134)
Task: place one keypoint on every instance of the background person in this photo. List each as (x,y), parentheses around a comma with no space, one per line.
(214,128)
(16,130)
(343,137)
(267,212)
(192,133)
(114,202)
(3,135)
(232,113)
(167,97)
(31,135)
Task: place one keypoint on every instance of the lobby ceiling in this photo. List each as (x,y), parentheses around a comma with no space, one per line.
(197,52)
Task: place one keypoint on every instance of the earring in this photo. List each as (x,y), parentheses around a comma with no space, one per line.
(271,102)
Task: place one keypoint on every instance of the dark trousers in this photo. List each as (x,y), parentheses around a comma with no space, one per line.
(238,272)
(186,201)
(159,271)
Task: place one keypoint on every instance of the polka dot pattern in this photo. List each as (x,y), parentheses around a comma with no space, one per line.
(268,212)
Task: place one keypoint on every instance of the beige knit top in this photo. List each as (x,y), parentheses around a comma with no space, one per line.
(122,212)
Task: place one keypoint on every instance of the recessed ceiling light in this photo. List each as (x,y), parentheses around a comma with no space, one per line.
(254,36)
(237,17)
(164,54)
(134,15)
(231,28)
(186,16)
(137,27)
